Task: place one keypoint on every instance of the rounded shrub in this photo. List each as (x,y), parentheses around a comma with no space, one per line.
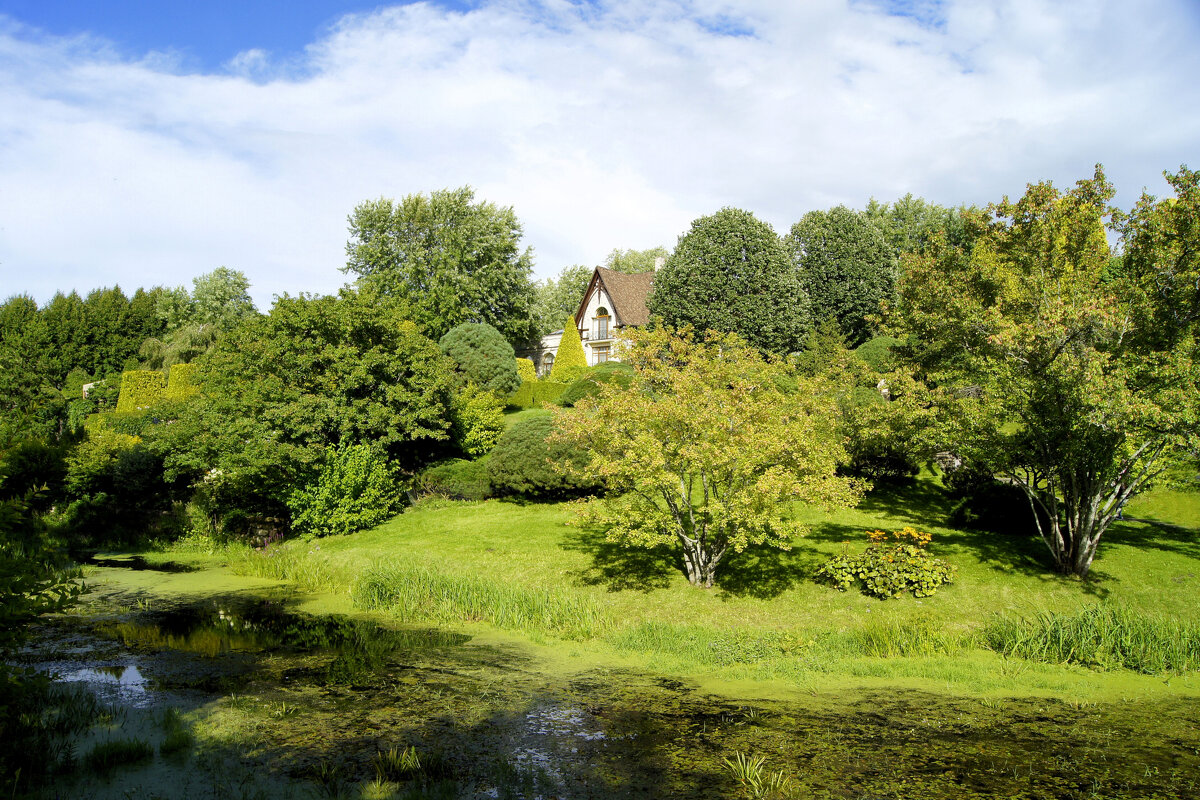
(483,356)
(353,490)
(589,385)
(879,353)
(457,479)
(527,462)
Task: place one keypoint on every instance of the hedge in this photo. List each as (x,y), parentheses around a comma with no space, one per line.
(181,382)
(526,370)
(141,388)
(534,394)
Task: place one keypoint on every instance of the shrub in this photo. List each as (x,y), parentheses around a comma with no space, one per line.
(889,570)
(526,463)
(589,385)
(526,371)
(570,362)
(458,479)
(547,393)
(181,382)
(141,388)
(879,353)
(353,490)
(476,420)
(483,356)
(983,503)
(523,397)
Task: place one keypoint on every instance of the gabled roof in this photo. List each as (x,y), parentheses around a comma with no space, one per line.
(627,293)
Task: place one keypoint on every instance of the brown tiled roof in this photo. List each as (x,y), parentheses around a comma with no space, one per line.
(629,294)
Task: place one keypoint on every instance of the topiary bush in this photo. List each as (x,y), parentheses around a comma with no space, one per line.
(525,463)
(353,490)
(181,382)
(482,355)
(589,385)
(547,393)
(458,479)
(523,397)
(570,362)
(140,389)
(889,569)
(526,371)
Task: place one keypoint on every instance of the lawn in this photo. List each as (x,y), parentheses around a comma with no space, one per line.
(767,620)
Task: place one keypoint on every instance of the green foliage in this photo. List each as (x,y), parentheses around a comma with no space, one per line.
(181,382)
(910,224)
(111,753)
(523,396)
(526,370)
(589,384)
(555,298)
(446,259)
(527,462)
(547,393)
(353,490)
(314,373)
(889,570)
(483,356)
(731,273)
(115,484)
(457,479)
(141,389)
(846,267)
(1072,385)
(703,450)
(570,361)
(477,420)
(632,262)
(1103,636)
(417,593)
(879,353)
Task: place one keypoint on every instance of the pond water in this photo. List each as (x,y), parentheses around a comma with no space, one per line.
(312,702)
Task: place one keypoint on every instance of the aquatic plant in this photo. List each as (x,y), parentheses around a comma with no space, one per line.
(112,753)
(756,781)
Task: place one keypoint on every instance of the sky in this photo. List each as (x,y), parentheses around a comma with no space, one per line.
(145,143)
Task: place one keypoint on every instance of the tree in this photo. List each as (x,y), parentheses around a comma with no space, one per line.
(634,261)
(314,373)
(1053,369)
(846,267)
(909,224)
(703,449)
(555,298)
(191,322)
(446,259)
(482,357)
(731,273)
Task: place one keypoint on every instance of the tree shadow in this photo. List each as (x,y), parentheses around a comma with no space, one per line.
(764,573)
(621,567)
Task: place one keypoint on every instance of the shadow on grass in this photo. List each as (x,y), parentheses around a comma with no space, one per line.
(622,567)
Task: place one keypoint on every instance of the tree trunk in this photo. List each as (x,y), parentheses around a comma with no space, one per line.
(701,562)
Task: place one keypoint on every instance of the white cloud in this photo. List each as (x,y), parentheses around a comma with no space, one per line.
(605,125)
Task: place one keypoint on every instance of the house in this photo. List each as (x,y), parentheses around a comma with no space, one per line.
(613,300)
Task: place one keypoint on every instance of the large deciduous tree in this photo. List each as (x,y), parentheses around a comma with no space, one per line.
(1071,382)
(846,266)
(731,273)
(706,449)
(446,259)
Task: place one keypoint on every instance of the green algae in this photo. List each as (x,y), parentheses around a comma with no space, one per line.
(280,702)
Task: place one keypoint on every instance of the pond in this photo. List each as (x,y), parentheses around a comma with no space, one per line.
(286,704)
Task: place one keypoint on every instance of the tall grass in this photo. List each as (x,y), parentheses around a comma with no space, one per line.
(698,644)
(1104,635)
(896,639)
(307,569)
(414,592)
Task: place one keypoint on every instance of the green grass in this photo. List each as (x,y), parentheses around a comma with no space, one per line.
(523,567)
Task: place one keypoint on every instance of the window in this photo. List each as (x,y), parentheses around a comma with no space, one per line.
(602,323)
(601,353)
(547,364)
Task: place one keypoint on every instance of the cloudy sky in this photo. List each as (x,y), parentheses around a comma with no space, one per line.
(142,143)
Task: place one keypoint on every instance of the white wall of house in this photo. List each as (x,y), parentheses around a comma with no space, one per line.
(598,331)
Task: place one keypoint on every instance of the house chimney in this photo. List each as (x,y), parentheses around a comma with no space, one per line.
(658,262)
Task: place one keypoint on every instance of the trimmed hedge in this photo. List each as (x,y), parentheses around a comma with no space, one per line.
(181,382)
(535,394)
(526,370)
(141,388)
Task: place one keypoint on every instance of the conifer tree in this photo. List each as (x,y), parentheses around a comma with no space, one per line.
(570,360)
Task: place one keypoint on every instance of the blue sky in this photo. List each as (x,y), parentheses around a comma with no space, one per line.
(204,35)
(147,143)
